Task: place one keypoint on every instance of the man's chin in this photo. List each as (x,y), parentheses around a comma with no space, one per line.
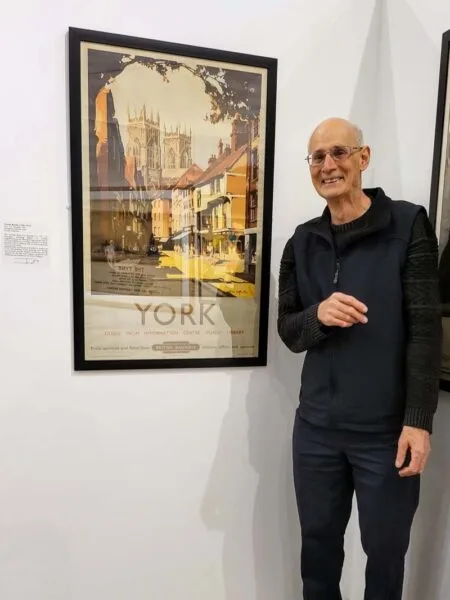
(331,191)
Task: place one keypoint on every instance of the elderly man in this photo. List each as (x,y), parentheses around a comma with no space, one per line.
(358,290)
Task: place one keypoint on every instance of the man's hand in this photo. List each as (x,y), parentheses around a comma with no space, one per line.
(417,441)
(340,310)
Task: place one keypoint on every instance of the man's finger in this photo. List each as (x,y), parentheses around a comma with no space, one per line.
(353,313)
(352,301)
(408,472)
(423,457)
(414,466)
(335,322)
(401,453)
(342,316)
(424,463)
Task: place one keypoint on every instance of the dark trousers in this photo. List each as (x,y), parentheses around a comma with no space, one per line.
(329,465)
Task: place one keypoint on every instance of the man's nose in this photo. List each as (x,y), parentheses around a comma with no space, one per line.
(328,163)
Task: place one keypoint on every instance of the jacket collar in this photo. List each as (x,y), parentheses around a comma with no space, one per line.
(380,217)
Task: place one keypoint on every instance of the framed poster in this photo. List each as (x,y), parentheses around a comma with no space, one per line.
(440,202)
(172,151)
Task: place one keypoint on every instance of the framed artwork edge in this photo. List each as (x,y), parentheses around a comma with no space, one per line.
(442,102)
(75,38)
(78,35)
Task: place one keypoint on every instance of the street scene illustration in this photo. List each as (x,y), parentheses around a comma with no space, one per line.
(175,171)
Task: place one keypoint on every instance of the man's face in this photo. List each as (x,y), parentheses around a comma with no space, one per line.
(337,178)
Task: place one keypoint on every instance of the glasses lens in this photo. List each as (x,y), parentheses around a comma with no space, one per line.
(336,153)
(317,158)
(340,152)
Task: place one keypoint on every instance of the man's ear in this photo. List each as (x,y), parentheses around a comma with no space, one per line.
(364,160)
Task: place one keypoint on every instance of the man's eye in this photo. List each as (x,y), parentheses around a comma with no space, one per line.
(318,156)
(339,152)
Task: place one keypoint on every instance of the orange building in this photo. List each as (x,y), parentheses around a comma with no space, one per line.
(252,226)
(108,185)
(161,219)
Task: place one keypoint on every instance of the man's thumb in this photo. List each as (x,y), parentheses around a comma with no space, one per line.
(401,453)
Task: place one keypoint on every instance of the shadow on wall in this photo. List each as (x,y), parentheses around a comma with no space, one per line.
(430,544)
(261,542)
(373,105)
(365,99)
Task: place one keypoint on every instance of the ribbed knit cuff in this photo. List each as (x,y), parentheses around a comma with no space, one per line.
(419,417)
(313,328)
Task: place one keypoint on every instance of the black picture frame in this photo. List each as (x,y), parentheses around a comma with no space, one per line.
(439,211)
(151,225)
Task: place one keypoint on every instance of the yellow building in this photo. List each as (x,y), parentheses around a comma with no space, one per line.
(220,203)
(183,215)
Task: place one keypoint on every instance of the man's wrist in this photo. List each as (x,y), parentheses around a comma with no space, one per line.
(324,328)
(421,418)
(315,327)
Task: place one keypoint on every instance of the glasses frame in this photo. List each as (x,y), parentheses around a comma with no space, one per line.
(351,149)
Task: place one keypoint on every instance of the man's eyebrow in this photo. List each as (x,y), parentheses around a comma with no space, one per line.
(332,146)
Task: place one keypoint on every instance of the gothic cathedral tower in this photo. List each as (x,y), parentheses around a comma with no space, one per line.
(144,144)
(177,153)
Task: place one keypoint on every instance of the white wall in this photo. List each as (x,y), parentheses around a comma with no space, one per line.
(177,485)
(410,56)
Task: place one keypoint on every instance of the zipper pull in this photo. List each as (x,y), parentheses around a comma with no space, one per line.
(336,273)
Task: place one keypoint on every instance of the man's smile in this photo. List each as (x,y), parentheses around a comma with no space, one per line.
(331,180)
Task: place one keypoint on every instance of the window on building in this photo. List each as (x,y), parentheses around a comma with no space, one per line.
(152,151)
(171,159)
(256,128)
(254,164)
(185,159)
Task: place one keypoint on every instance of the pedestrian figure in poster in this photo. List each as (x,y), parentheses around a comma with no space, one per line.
(110,253)
(358,290)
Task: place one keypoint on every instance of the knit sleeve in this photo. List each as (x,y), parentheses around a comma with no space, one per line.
(298,326)
(423,325)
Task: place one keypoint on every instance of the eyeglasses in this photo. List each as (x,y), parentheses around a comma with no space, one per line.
(337,153)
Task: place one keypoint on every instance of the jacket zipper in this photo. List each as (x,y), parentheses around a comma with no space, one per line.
(336,273)
(333,378)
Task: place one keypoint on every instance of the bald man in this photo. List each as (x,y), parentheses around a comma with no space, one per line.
(358,291)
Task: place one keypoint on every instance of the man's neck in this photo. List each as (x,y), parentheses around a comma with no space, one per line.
(348,208)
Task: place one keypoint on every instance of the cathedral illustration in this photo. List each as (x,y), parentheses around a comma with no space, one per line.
(162,155)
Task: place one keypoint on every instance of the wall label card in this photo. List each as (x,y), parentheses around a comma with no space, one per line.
(24,244)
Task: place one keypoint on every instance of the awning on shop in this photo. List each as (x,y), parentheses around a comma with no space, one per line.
(181,235)
(218,200)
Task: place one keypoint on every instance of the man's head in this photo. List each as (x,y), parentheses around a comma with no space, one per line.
(337,156)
